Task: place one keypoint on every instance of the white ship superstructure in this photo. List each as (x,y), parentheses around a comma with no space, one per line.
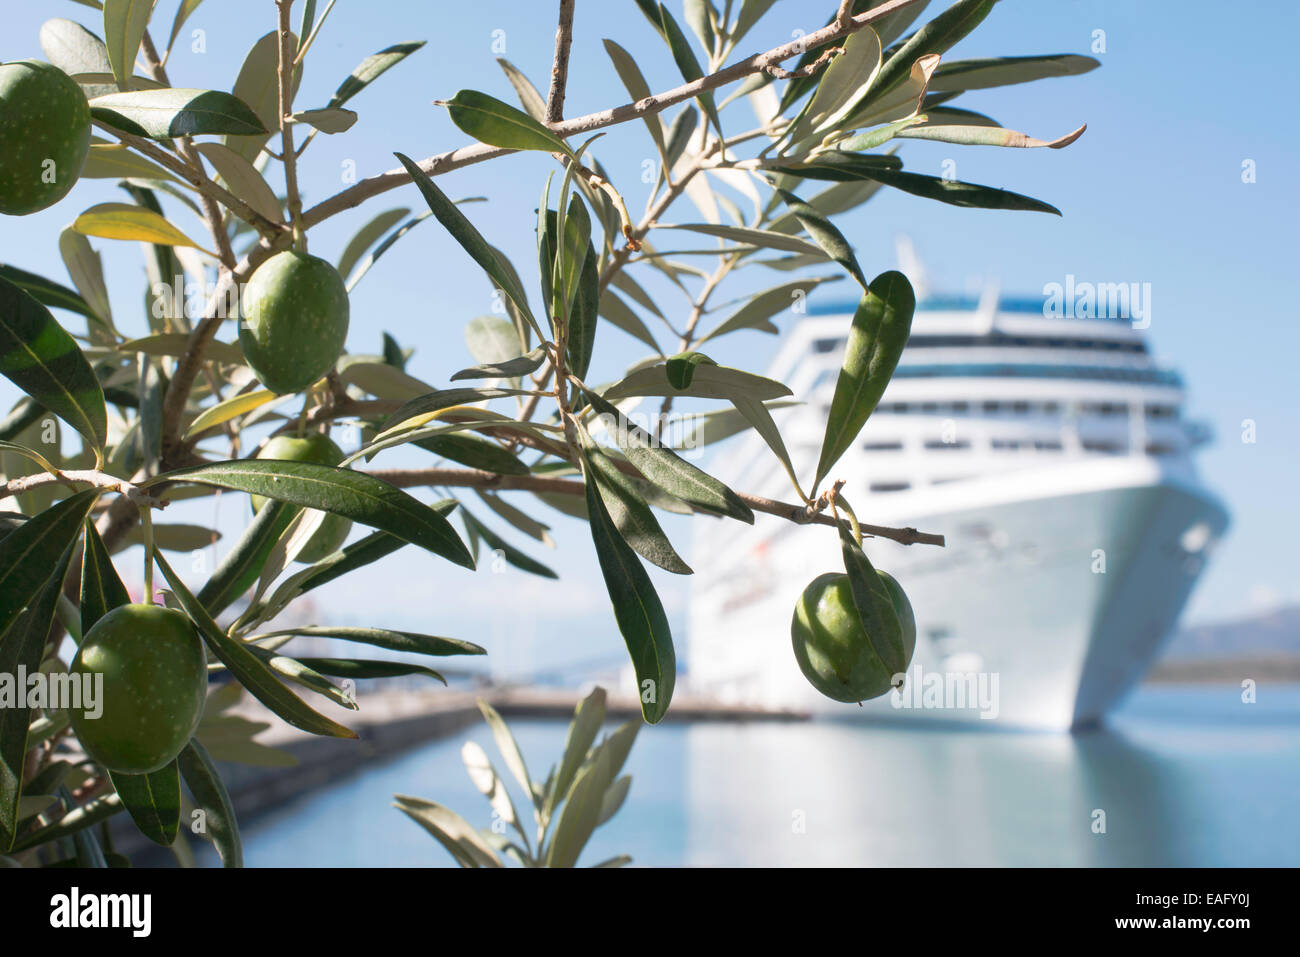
(1054,456)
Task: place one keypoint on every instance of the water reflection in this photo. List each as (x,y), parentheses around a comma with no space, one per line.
(1191,780)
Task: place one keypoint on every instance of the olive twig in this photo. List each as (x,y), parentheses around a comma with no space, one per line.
(146,524)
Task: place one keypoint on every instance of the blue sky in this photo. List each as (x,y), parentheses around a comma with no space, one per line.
(1153,193)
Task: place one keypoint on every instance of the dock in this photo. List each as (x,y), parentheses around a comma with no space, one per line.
(390,722)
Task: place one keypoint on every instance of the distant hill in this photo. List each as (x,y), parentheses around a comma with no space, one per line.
(1272,635)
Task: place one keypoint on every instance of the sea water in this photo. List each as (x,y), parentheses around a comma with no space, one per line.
(1181,776)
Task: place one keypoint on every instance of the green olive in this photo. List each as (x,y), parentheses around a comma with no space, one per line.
(834,650)
(154,681)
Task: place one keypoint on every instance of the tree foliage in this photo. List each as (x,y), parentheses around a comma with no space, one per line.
(166,405)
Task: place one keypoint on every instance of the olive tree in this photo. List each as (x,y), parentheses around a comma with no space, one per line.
(167,406)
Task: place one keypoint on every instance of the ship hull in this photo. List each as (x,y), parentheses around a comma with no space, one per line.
(1053,596)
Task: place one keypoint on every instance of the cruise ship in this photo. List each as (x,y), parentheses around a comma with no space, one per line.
(1053,455)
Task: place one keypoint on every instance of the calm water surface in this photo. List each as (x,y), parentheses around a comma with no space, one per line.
(1184,776)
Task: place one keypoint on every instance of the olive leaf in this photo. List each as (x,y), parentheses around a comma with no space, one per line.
(638,89)
(174,345)
(370,69)
(463,231)
(242,179)
(30,552)
(843,164)
(443,399)
(126,221)
(362,552)
(754,237)
(243,563)
(168,113)
(592,797)
(328,120)
(451,830)
(680,368)
(386,638)
(125,22)
(666,469)
(249,670)
(475,452)
(635,521)
(509,369)
(39,357)
(637,608)
(759,309)
(581,340)
(685,59)
(588,716)
(881,326)
(302,674)
(511,554)
(826,234)
(101,588)
(479,767)
(561,264)
(258,86)
(957,193)
(874,606)
(367,668)
(581,812)
(621,315)
(984,135)
(183,12)
(48,292)
(75,50)
(490,121)
(988,72)
(23,636)
(936,37)
(353,495)
(75,821)
(707,382)
(366,237)
(211,797)
(509,748)
(153,800)
(532,102)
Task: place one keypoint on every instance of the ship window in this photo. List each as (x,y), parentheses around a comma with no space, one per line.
(825,345)
(1105,408)
(992,406)
(1161,412)
(901,407)
(1109,448)
(1020,407)
(1159,448)
(940,444)
(960,408)
(1006,445)
(1047,445)
(1003,370)
(882,446)
(1024,342)
(947,480)
(890,486)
